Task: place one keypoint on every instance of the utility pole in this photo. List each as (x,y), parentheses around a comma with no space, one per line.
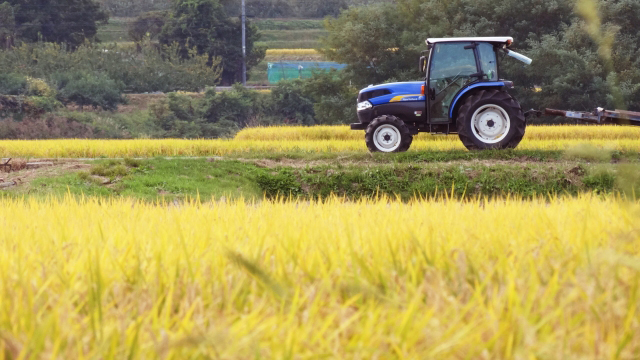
(244,44)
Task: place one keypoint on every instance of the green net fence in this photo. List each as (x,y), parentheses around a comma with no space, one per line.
(278,71)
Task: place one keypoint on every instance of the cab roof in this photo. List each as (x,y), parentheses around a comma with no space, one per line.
(495,39)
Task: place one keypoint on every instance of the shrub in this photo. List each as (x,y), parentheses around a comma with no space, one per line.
(111,169)
(333,97)
(177,116)
(39,87)
(218,114)
(291,104)
(96,90)
(236,106)
(43,104)
(12,84)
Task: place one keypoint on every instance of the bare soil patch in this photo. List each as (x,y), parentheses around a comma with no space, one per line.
(23,176)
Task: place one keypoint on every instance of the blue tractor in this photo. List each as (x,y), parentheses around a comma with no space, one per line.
(462,93)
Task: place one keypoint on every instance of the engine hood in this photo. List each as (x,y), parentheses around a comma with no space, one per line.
(392,92)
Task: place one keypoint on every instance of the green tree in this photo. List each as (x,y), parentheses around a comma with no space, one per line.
(7,25)
(60,21)
(205,26)
(148,24)
(371,40)
(582,58)
(333,97)
(593,62)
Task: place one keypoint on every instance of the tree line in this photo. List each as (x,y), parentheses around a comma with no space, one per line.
(202,26)
(585,52)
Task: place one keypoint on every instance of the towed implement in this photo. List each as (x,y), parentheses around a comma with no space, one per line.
(599,116)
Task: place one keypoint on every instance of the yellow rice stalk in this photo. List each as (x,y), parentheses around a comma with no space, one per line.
(115,279)
(557,132)
(310,139)
(277,52)
(179,147)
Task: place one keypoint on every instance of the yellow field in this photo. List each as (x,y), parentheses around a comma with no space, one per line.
(546,133)
(115,279)
(310,139)
(291,52)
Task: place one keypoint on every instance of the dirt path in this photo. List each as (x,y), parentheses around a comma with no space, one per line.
(23,176)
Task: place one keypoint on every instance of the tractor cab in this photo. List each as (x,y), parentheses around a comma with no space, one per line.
(462,93)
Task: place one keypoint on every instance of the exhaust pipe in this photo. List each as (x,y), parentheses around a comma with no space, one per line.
(519,56)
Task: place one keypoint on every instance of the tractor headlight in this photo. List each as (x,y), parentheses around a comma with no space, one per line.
(364,105)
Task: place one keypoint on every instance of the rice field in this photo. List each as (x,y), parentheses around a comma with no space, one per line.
(543,133)
(279,52)
(319,139)
(115,279)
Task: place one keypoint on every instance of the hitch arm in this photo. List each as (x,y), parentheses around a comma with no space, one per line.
(599,116)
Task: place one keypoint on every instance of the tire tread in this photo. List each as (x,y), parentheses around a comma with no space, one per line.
(518,121)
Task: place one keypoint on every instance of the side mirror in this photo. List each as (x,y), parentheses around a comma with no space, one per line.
(423,64)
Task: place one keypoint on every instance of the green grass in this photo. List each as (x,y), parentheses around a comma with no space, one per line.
(276,33)
(292,35)
(117,30)
(414,156)
(407,181)
(291,39)
(155,179)
(354,176)
(288,24)
(294,44)
(443,156)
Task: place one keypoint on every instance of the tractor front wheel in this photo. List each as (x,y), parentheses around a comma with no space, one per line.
(490,119)
(388,133)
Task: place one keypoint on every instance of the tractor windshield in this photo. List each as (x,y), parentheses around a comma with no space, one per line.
(451,66)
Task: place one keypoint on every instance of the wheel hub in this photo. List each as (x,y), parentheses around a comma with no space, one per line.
(387,138)
(490,123)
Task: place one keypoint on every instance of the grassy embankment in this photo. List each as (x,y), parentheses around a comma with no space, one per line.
(420,174)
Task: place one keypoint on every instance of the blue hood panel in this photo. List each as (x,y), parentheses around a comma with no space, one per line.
(397,89)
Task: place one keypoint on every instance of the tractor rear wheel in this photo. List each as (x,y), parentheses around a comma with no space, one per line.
(491,119)
(387,133)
